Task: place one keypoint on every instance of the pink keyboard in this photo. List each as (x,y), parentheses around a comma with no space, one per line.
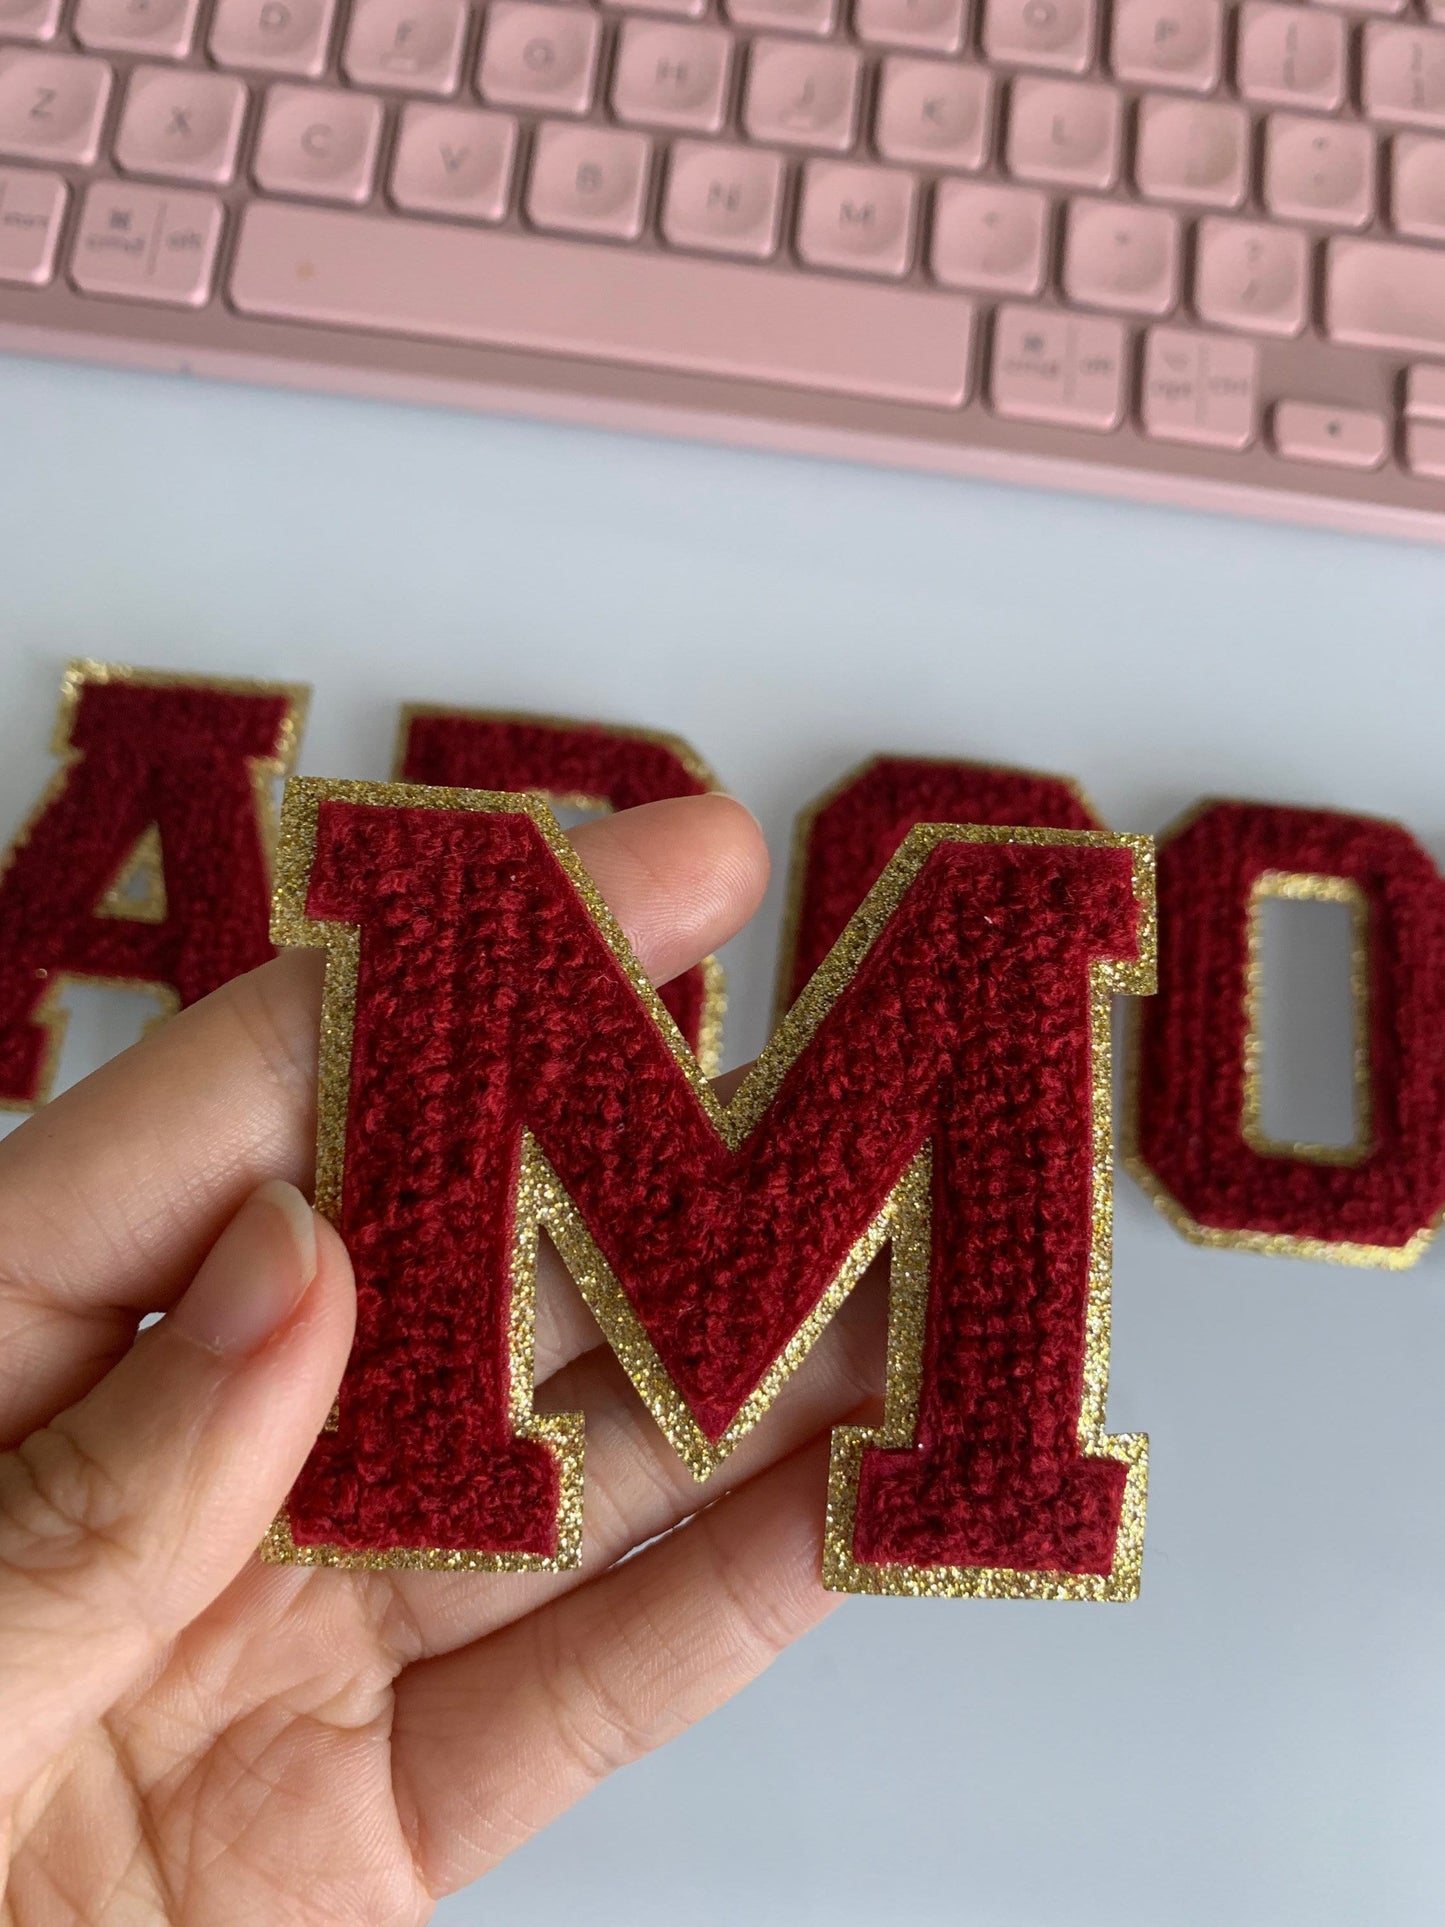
(1179,250)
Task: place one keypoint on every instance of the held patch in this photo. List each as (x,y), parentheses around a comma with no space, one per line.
(1196,1142)
(146,862)
(572,763)
(493,1059)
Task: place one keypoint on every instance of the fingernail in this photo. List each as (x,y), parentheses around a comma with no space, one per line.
(257,1273)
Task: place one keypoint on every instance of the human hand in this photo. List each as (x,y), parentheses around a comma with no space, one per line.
(187,1735)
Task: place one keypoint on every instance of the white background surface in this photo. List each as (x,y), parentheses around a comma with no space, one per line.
(1260,1742)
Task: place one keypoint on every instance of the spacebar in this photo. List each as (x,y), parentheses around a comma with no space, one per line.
(611,304)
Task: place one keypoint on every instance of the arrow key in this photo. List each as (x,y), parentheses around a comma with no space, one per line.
(1339,437)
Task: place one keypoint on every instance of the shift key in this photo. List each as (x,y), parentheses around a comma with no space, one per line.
(1381,295)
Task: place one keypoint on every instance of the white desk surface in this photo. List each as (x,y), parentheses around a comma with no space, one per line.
(1260,1742)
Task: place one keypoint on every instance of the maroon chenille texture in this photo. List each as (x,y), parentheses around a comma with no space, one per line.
(176,757)
(1191,1041)
(563,759)
(855,832)
(487,1000)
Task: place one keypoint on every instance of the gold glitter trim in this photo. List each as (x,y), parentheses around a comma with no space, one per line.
(80,672)
(806,820)
(714,978)
(1303,886)
(541,1200)
(1271,1244)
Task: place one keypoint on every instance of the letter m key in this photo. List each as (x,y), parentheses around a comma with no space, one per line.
(494,1061)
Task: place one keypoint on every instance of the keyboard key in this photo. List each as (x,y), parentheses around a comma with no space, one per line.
(1425,394)
(1122,257)
(318,141)
(539,56)
(1192,150)
(858,218)
(674,9)
(161,28)
(1404,75)
(589,180)
(1169,43)
(1065,369)
(789,16)
(723,200)
(801,96)
(181,124)
(273,36)
(1251,276)
(32,207)
(1379,295)
(52,106)
(989,237)
(29,19)
(1057,34)
(1318,170)
(1425,449)
(934,113)
(412,44)
(1199,389)
(147,243)
(643,309)
(1417,186)
(930,26)
(671,76)
(1064,131)
(1291,56)
(454,160)
(1338,437)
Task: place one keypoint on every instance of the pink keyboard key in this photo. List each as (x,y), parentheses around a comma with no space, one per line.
(1425,449)
(934,113)
(1169,43)
(1063,369)
(1319,170)
(1122,257)
(857,218)
(788,16)
(1337,437)
(1195,151)
(415,45)
(802,96)
(1291,56)
(181,124)
(538,56)
(1378,295)
(147,243)
(455,161)
(32,207)
(1417,186)
(1425,394)
(931,26)
(649,310)
(1057,34)
(1251,276)
(989,236)
(320,141)
(1199,389)
(671,75)
(275,36)
(589,180)
(1404,75)
(29,19)
(1065,132)
(723,200)
(52,106)
(160,28)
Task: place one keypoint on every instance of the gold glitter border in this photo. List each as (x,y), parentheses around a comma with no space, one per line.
(1271,1244)
(542,1201)
(79,673)
(806,819)
(714,977)
(1308,886)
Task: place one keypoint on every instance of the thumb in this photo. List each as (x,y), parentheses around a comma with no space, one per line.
(128,1514)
